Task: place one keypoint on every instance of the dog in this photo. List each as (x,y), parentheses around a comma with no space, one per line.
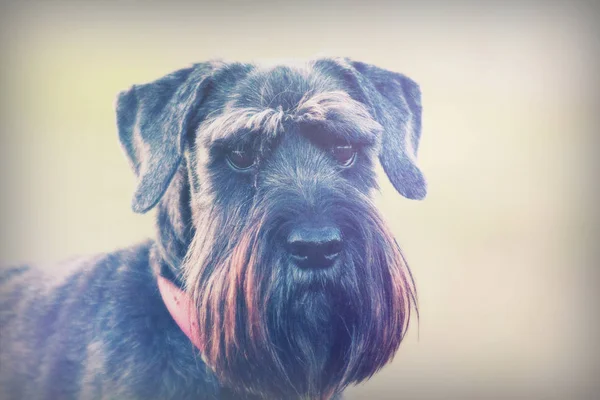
(272,276)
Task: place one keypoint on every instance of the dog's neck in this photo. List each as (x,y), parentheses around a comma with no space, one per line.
(162,265)
(174,229)
(181,308)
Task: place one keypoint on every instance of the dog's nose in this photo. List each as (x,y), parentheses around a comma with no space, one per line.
(315,247)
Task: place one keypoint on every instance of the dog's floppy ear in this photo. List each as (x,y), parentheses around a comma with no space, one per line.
(152,120)
(396,101)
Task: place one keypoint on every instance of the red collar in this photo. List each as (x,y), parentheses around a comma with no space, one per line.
(181,308)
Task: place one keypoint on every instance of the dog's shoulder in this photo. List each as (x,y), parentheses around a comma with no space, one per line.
(50,316)
(87,278)
(94,327)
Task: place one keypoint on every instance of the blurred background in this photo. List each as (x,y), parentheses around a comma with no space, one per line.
(502,249)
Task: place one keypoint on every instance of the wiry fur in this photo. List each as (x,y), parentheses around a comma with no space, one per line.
(312,337)
(343,114)
(269,330)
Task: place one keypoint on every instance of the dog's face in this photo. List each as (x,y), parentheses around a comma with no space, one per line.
(300,287)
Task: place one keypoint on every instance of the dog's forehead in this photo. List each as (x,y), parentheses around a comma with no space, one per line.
(271,96)
(282,85)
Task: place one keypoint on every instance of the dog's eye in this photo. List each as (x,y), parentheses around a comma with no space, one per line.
(344,155)
(240,160)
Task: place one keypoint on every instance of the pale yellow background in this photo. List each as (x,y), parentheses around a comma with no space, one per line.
(501,249)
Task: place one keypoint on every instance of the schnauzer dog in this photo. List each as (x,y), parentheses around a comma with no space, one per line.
(273,275)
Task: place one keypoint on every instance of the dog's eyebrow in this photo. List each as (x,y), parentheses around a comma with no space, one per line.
(347,130)
(235,123)
(334,113)
(339,115)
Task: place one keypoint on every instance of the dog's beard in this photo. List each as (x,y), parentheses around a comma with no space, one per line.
(278,332)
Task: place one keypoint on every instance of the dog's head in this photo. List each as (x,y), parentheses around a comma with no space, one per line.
(264,177)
